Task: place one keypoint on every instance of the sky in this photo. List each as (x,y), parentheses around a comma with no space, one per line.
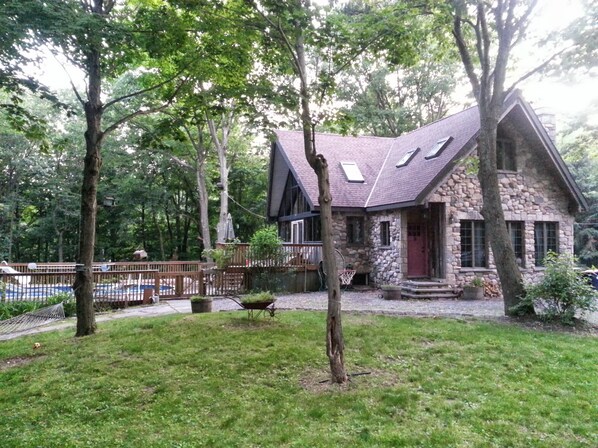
(564,97)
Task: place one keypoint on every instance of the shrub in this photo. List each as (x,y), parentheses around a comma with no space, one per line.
(562,293)
(200,299)
(68,303)
(266,245)
(13,309)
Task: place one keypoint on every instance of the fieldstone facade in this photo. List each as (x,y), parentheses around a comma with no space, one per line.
(404,216)
(530,195)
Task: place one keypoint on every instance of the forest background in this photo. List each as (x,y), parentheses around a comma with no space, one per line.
(204,148)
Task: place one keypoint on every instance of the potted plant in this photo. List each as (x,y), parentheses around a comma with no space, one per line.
(474,290)
(391,292)
(201,304)
(258,300)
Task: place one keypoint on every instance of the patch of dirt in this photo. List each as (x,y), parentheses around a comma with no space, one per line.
(17,361)
(317,381)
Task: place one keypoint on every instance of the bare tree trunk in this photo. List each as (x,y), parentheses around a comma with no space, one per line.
(60,245)
(335,345)
(222,150)
(511,279)
(488,85)
(83,286)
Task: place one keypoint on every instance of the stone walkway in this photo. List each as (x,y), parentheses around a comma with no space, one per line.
(367,301)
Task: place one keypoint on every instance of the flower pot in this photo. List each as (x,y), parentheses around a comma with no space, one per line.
(473,292)
(391,292)
(204,306)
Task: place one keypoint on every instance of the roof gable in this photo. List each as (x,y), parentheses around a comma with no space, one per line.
(394,172)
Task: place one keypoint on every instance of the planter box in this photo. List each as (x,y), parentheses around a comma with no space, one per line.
(201,307)
(473,292)
(391,292)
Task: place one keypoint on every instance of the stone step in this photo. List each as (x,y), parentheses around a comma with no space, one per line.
(409,295)
(445,289)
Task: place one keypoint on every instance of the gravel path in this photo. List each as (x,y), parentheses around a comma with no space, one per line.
(365,301)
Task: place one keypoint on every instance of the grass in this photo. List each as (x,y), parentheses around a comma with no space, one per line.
(221,380)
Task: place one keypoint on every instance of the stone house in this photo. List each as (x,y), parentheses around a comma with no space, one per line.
(408,208)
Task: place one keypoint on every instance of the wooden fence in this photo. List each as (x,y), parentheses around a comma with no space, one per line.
(127,283)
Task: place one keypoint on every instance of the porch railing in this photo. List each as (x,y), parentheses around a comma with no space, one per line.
(309,254)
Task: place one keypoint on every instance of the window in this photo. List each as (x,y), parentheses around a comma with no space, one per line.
(355,231)
(293,201)
(352,172)
(505,155)
(313,229)
(473,244)
(545,239)
(438,147)
(284,230)
(515,229)
(407,157)
(385,233)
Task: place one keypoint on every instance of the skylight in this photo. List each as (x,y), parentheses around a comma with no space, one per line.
(407,157)
(352,172)
(438,147)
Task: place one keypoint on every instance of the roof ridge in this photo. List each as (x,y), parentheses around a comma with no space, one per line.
(438,121)
(367,201)
(332,134)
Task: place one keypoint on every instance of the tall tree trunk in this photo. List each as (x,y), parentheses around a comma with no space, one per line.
(335,345)
(83,286)
(510,276)
(202,193)
(222,149)
(488,86)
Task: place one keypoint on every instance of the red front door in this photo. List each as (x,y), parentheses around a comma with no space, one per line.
(417,250)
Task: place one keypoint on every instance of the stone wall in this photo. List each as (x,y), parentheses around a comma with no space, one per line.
(386,260)
(355,255)
(529,195)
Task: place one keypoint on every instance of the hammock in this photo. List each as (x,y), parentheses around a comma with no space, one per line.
(32,319)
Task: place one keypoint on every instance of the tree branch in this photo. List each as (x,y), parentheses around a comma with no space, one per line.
(139,113)
(466,56)
(536,69)
(141,92)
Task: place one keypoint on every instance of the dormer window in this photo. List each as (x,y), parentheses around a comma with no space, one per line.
(407,157)
(438,147)
(352,172)
(506,159)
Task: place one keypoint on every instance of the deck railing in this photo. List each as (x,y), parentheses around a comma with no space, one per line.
(309,254)
(114,288)
(126,283)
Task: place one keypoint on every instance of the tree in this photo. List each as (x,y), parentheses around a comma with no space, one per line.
(101,39)
(387,101)
(578,143)
(485,34)
(301,39)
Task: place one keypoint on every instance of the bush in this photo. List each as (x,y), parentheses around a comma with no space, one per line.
(266,245)
(200,299)
(13,309)
(68,303)
(562,293)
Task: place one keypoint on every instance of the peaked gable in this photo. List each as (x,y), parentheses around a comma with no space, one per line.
(400,172)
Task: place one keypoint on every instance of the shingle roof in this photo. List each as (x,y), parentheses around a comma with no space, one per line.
(385,185)
(376,158)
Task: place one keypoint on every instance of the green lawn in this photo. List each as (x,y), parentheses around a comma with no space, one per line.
(220,380)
